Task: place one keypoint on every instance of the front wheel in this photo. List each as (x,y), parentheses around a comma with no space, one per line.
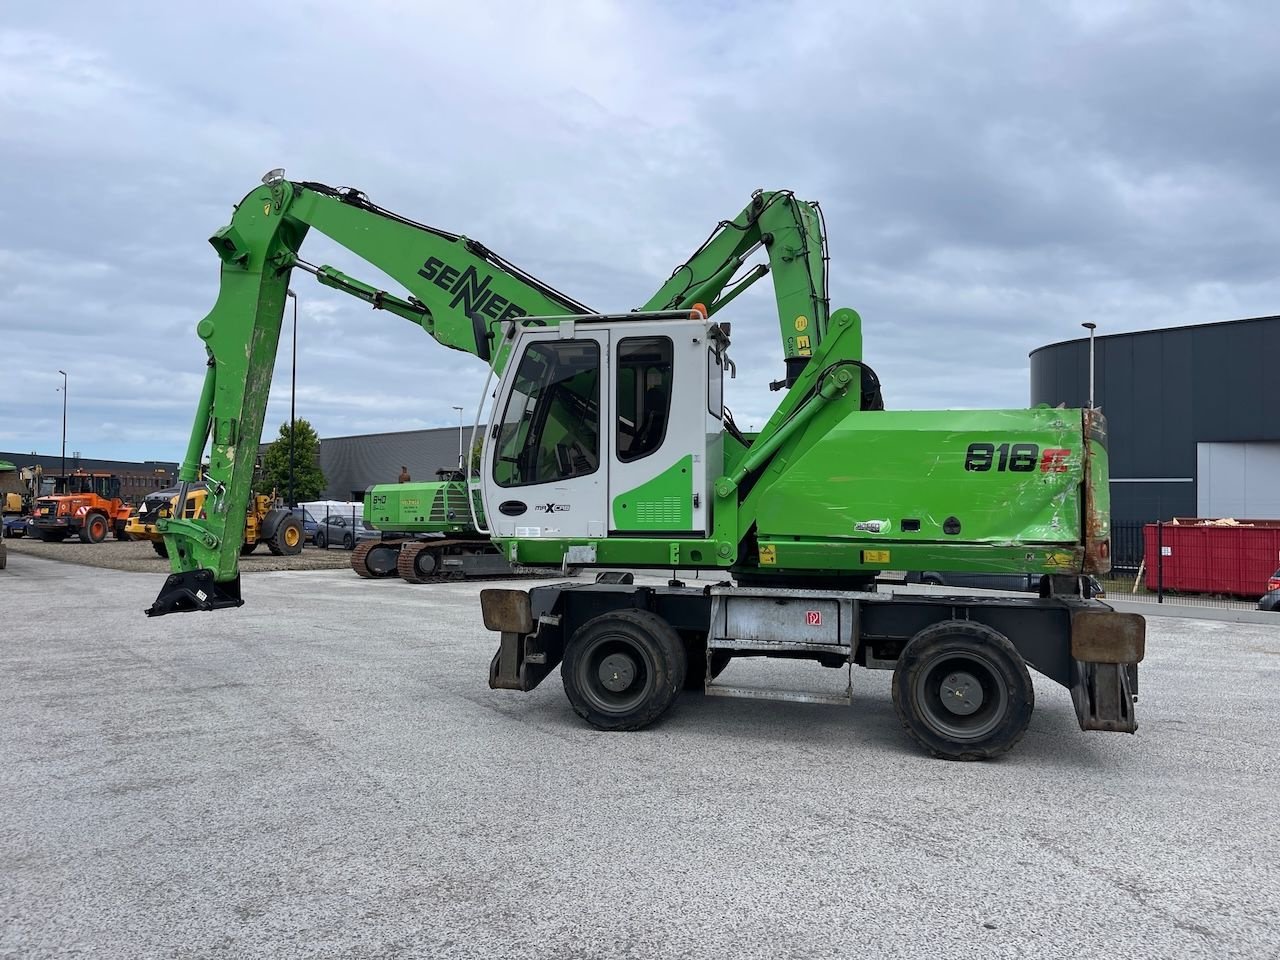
(159,547)
(248,547)
(95,529)
(320,540)
(962,691)
(348,543)
(623,670)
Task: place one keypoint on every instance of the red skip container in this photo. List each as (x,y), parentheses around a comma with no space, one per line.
(1208,556)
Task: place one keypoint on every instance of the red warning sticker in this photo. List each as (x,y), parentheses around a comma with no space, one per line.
(813,618)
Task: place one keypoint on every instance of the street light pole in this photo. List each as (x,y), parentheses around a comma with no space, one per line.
(460,466)
(293,390)
(1090,327)
(64,426)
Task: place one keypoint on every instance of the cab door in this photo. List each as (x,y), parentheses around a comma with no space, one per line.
(658,473)
(545,463)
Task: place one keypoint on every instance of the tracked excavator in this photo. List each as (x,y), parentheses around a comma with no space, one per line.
(608,444)
(429,535)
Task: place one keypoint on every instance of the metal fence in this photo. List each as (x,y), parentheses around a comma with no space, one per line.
(1157,563)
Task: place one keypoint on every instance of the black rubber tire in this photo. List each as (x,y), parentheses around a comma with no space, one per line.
(320,540)
(348,542)
(248,548)
(287,538)
(991,668)
(120,532)
(35,533)
(638,638)
(94,529)
(932,580)
(159,547)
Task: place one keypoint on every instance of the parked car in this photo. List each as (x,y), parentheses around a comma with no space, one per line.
(309,523)
(344,531)
(15,526)
(1018,582)
(1271,599)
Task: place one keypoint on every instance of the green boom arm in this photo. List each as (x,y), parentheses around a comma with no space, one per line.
(791,231)
(460,293)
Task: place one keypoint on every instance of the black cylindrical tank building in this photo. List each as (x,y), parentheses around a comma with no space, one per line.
(1193,415)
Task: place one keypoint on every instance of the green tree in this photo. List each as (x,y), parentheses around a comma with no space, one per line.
(308,478)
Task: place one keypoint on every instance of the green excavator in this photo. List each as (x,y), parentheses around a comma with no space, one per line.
(607,444)
(428,534)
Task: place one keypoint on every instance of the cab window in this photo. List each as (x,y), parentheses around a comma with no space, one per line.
(550,429)
(644,395)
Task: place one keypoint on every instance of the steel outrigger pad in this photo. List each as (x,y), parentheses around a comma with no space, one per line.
(194,590)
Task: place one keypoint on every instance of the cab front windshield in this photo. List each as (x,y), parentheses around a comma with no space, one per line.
(550,429)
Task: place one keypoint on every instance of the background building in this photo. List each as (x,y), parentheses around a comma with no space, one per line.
(351,464)
(1193,415)
(137,478)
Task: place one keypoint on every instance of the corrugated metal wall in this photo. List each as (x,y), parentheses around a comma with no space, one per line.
(1164,392)
(351,464)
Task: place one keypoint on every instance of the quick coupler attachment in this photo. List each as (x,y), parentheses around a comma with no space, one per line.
(195,590)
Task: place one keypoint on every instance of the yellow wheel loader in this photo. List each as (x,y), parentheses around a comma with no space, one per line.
(265,521)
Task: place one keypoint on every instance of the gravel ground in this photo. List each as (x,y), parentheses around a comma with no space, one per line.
(324,773)
(139,556)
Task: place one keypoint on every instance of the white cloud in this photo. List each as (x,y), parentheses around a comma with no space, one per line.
(991,176)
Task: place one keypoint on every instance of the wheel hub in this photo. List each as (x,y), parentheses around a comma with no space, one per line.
(961,693)
(617,672)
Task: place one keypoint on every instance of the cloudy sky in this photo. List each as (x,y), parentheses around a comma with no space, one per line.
(992,176)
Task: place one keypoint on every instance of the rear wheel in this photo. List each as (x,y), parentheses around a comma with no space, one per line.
(94,529)
(248,547)
(119,531)
(35,533)
(159,547)
(623,670)
(962,691)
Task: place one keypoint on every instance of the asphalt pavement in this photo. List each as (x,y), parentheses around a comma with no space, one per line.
(325,773)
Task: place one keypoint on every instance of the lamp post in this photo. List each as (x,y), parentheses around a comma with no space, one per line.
(64,426)
(1090,327)
(293,389)
(460,466)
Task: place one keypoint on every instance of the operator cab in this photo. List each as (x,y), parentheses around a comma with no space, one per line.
(107,487)
(607,426)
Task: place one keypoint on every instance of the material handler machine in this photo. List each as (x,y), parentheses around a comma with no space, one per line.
(607,444)
(429,533)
